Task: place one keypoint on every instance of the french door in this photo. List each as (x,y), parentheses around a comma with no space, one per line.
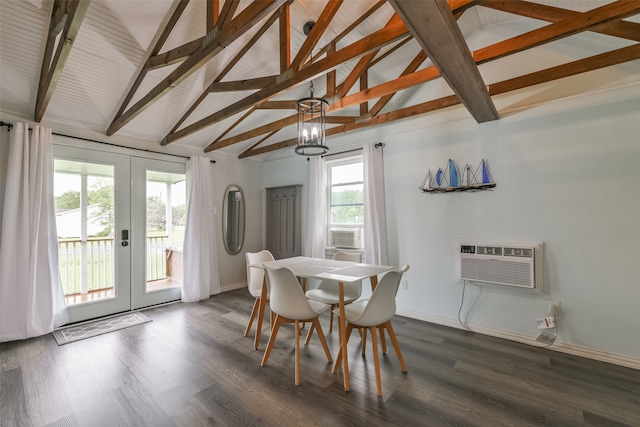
(120,223)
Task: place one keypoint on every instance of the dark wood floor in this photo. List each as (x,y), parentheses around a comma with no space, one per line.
(191,366)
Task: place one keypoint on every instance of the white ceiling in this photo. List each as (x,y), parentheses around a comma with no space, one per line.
(116,36)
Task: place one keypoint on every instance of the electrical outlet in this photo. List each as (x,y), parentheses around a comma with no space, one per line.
(403,285)
(546,322)
(554,308)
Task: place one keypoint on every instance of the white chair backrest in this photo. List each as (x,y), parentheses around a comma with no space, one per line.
(348,256)
(382,304)
(255,275)
(286,296)
(353,257)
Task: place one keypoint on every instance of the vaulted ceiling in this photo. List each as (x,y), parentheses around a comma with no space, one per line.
(225,74)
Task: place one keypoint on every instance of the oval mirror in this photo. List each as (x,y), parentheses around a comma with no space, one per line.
(233,219)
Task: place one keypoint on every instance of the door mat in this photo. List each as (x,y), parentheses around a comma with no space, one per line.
(98,327)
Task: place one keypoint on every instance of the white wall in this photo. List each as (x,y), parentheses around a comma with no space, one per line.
(246,173)
(568,174)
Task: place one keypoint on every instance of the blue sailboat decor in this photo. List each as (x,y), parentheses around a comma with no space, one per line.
(439,178)
(454,174)
(451,179)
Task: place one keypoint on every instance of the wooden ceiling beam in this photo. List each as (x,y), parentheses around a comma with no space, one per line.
(411,68)
(565,28)
(238,26)
(459,6)
(228,68)
(378,120)
(277,105)
(160,41)
(405,81)
(623,29)
(434,27)
(376,40)
(354,24)
(260,130)
(355,73)
(323,21)
(226,13)
(240,85)
(66,18)
(364,85)
(630,53)
(213,12)
(236,123)
(173,56)
(392,49)
(331,76)
(608,59)
(284,34)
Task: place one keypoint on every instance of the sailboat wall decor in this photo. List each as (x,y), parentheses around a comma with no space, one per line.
(451,179)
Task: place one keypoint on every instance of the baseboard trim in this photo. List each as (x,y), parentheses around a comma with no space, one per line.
(233,286)
(589,353)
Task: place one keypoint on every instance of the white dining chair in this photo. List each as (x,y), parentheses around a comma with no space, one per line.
(289,304)
(376,313)
(255,277)
(328,292)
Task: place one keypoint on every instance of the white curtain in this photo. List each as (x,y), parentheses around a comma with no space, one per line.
(200,255)
(31,297)
(316,230)
(375,220)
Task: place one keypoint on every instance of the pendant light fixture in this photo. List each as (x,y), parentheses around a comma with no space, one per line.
(311,125)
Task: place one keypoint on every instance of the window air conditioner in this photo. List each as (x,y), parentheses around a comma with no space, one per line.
(348,238)
(514,265)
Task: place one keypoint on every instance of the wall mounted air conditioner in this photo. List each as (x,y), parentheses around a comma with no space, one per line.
(348,238)
(510,265)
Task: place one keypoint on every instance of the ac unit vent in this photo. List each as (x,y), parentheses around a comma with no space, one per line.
(348,238)
(510,265)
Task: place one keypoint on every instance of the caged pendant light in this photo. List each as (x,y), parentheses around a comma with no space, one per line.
(311,125)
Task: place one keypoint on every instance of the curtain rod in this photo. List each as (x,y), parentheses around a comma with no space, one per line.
(10,126)
(378,145)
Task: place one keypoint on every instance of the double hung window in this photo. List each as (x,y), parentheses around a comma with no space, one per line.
(345,178)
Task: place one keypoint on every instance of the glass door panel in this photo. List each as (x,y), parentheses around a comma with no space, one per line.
(159,214)
(92,207)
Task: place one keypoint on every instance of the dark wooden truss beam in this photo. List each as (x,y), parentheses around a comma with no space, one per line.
(376,40)
(215,42)
(608,59)
(66,18)
(434,27)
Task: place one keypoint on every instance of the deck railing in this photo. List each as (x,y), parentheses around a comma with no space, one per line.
(98,271)
(156,258)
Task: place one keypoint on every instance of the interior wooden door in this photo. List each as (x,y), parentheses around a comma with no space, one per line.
(283,224)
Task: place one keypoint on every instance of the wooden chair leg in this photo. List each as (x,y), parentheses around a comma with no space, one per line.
(318,328)
(272,340)
(308,339)
(396,346)
(254,312)
(331,318)
(339,356)
(297,352)
(363,334)
(382,340)
(376,359)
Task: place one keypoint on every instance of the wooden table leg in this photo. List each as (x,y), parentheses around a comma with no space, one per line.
(263,303)
(343,341)
(374,282)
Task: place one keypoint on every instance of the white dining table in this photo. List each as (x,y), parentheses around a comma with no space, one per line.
(319,268)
